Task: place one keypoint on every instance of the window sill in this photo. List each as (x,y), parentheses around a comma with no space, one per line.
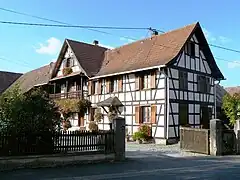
(145,89)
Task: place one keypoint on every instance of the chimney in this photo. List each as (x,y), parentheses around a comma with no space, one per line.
(154,33)
(95,42)
(51,67)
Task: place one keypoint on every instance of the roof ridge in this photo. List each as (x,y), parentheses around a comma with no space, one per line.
(149,38)
(81,42)
(11,72)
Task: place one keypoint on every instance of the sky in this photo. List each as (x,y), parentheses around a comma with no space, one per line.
(23,48)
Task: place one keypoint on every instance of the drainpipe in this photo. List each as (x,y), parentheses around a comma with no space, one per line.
(166,105)
(167,98)
(215,99)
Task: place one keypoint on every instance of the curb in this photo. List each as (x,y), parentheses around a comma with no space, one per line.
(37,164)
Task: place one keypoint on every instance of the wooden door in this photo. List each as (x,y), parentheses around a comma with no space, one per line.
(206,115)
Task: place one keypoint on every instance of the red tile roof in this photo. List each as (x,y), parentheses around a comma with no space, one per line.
(154,51)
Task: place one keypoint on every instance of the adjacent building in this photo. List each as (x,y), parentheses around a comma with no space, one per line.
(7,79)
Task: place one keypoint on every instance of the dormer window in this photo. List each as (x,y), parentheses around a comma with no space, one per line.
(68,62)
(191,49)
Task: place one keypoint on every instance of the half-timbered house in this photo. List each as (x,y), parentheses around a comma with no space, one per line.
(165,81)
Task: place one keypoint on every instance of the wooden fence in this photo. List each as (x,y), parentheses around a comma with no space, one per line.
(195,140)
(56,142)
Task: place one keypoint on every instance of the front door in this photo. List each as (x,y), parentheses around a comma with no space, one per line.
(206,115)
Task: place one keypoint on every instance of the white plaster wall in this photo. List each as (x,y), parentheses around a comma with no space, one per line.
(131,97)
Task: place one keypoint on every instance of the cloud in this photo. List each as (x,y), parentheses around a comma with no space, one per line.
(214,38)
(52,46)
(223,39)
(126,39)
(234,64)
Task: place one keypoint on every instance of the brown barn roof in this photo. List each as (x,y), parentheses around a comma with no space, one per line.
(232,90)
(35,77)
(154,51)
(6,79)
(89,56)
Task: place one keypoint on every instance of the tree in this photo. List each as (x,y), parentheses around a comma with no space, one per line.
(29,112)
(231,107)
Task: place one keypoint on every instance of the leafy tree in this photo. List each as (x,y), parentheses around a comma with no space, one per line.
(231,107)
(28,112)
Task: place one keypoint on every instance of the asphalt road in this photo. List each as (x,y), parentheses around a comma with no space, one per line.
(144,165)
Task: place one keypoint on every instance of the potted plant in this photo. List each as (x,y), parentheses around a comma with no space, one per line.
(92,126)
(98,116)
(138,137)
(146,132)
(67,71)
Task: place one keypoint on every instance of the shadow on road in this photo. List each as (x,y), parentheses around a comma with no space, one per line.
(140,165)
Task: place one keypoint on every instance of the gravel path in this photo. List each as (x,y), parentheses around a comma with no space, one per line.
(170,150)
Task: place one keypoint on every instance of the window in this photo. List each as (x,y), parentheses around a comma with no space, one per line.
(183,114)
(68,62)
(146,114)
(203,84)
(183,80)
(102,88)
(146,81)
(94,87)
(191,49)
(114,85)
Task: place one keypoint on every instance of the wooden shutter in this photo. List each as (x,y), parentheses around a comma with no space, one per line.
(80,120)
(120,84)
(137,82)
(89,87)
(108,81)
(153,79)
(99,88)
(153,114)
(137,114)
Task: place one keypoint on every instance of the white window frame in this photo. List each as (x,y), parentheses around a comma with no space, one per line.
(146,114)
(146,81)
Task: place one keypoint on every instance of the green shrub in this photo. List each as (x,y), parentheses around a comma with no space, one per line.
(138,135)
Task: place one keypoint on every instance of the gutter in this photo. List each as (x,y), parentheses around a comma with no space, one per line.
(127,72)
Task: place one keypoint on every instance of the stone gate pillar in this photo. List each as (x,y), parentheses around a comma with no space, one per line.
(237,133)
(119,138)
(216,142)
